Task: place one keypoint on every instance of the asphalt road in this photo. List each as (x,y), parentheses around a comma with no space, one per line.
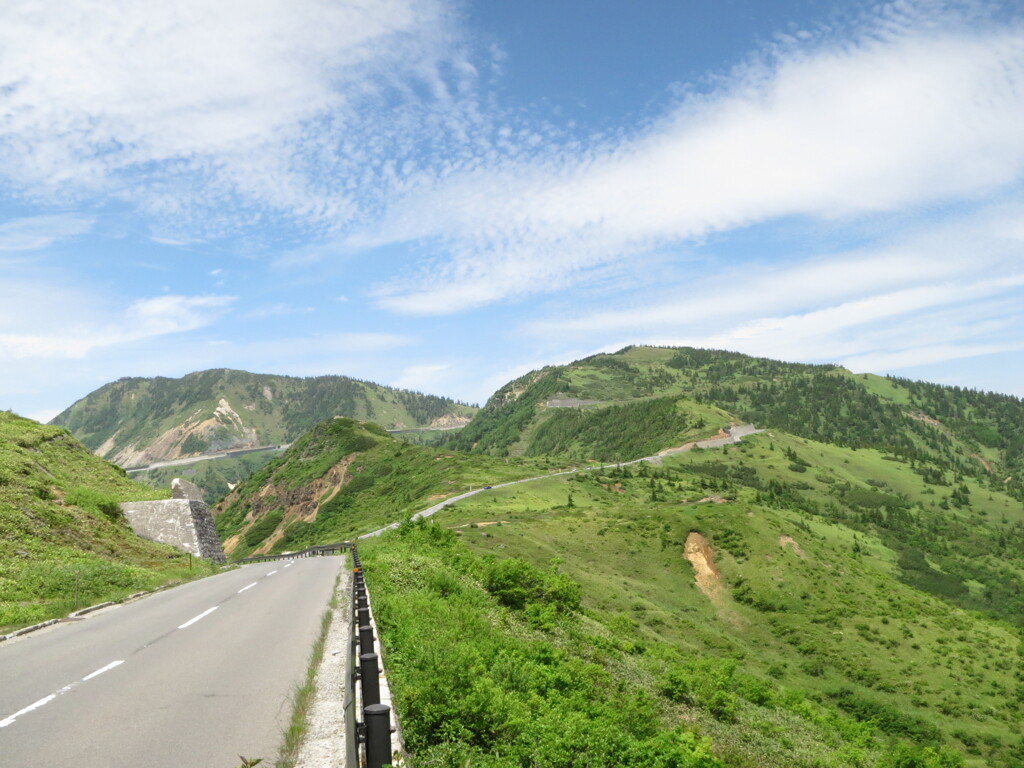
(192,677)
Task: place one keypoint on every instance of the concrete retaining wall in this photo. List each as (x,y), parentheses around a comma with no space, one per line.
(183,523)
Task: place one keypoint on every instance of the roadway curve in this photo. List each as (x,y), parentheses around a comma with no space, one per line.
(192,676)
(735,434)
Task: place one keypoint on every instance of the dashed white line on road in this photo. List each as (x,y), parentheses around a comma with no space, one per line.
(42,702)
(290,565)
(202,615)
(248,586)
(47,699)
(271,573)
(100,671)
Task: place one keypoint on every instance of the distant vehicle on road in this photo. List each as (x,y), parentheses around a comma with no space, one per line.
(488,487)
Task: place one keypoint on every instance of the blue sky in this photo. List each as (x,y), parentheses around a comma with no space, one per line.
(442,196)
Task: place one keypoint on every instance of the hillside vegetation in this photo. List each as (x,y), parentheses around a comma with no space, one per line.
(946,432)
(63,541)
(136,421)
(781,602)
(344,478)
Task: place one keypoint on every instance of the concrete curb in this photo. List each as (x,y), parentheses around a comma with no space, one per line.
(90,609)
(26,630)
(81,612)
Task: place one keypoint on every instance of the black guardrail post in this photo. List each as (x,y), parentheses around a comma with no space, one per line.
(365,638)
(378,735)
(369,678)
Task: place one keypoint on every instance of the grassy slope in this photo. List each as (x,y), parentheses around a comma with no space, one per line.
(142,409)
(831,630)
(61,532)
(344,478)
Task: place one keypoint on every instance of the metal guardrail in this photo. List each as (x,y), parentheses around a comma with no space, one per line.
(317,551)
(374,731)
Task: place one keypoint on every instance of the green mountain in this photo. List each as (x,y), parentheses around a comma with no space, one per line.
(344,478)
(137,421)
(643,399)
(844,588)
(63,541)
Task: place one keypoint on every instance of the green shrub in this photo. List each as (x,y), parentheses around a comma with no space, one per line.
(515,583)
(94,501)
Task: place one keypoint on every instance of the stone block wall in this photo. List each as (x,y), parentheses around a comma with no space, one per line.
(183,489)
(183,523)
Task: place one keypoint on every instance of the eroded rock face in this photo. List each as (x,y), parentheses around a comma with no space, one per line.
(183,523)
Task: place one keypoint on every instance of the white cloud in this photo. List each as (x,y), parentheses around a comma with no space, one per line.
(926,355)
(279,309)
(143,319)
(35,232)
(944,293)
(180,106)
(902,117)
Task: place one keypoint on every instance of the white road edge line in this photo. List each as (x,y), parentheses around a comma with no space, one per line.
(107,668)
(202,615)
(249,586)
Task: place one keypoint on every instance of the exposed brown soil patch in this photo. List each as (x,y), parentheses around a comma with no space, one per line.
(482,523)
(678,449)
(789,541)
(702,558)
(925,418)
(698,551)
(301,503)
(985,464)
(168,445)
(713,500)
(449,421)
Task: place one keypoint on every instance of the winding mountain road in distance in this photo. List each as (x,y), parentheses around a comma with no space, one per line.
(734,434)
(193,676)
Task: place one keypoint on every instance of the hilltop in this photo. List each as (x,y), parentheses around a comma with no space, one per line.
(137,421)
(64,543)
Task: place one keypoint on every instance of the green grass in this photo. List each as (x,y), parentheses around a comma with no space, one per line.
(64,544)
(832,627)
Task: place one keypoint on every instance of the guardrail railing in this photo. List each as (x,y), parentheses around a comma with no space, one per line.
(317,551)
(374,731)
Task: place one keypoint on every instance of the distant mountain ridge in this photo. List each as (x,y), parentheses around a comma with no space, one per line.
(642,399)
(137,421)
